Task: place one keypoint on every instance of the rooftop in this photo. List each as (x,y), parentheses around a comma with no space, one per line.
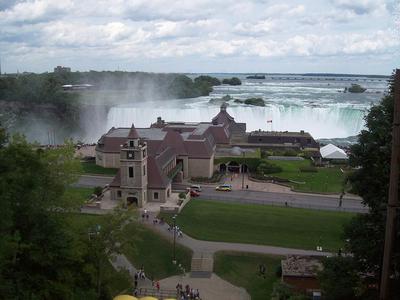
(301,266)
(279,133)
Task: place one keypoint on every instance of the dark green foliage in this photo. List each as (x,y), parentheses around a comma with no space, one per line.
(97,190)
(213,81)
(232,81)
(371,181)
(356,88)
(182,195)
(308,169)
(41,257)
(339,278)
(268,168)
(254,101)
(217,176)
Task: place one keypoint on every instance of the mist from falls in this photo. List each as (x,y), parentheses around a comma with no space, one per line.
(317,106)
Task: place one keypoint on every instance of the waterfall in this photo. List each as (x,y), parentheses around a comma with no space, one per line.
(330,121)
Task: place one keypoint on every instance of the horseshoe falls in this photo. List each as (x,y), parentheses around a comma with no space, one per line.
(317,105)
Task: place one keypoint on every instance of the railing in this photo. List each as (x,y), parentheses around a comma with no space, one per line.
(176,170)
(161,293)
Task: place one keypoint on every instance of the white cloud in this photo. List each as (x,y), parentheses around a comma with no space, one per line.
(37,10)
(199,30)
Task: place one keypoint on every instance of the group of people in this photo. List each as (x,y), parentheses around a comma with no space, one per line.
(139,275)
(177,230)
(187,293)
(145,215)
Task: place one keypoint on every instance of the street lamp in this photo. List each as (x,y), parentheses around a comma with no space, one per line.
(174,230)
(244,155)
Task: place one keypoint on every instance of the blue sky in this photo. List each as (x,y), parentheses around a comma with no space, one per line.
(339,36)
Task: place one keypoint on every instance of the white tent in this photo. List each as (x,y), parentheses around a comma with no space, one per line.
(332,152)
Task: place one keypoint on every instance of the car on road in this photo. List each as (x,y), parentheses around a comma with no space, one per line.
(195,187)
(224,188)
(194,193)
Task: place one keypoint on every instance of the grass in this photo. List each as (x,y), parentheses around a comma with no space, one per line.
(78,193)
(92,168)
(263,224)
(326,180)
(241,269)
(154,252)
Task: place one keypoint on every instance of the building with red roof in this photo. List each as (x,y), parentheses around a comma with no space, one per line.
(149,159)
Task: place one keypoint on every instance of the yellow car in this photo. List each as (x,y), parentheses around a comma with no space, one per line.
(224,188)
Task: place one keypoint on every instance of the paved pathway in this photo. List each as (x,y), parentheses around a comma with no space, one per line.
(120,262)
(212,288)
(200,246)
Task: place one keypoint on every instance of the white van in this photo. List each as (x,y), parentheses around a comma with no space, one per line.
(195,187)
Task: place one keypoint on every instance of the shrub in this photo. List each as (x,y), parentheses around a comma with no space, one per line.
(97,190)
(268,168)
(182,195)
(308,169)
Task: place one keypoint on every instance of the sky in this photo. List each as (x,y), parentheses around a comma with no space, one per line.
(199,36)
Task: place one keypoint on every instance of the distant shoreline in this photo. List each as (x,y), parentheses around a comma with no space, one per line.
(299,74)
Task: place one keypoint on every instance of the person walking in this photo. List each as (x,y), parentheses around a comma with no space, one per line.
(341,199)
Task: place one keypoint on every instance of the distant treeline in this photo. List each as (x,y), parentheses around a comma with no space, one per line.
(32,92)
(47,87)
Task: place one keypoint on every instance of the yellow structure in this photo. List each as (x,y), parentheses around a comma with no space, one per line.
(125,297)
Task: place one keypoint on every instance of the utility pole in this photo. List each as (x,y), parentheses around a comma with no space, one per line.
(242,168)
(393,201)
(174,249)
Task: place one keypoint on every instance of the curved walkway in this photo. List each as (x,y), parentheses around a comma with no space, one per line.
(200,246)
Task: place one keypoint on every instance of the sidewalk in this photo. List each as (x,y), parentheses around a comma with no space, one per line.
(200,246)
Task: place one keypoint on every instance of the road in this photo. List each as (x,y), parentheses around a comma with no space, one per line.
(311,201)
(93,180)
(293,199)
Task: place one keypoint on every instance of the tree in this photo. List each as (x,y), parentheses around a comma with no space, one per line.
(41,257)
(232,81)
(339,278)
(371,155)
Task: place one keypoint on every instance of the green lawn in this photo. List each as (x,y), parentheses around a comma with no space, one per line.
(241,269)
(92,168)
(155,252)
(263,224)
(326,180)
(78,192)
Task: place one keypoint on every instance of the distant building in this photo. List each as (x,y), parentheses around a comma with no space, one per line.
(74,87)
(61,69)
(301,273)
(331,152)
(150,159)
(299,140)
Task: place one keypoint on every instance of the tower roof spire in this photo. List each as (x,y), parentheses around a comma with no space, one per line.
(133,134)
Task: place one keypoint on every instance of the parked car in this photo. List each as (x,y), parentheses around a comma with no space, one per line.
(224,188)
(194,193)
(195,187)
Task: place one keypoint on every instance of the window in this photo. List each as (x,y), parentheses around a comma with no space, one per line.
(155,195)
(144,170)
(144,153)
(131,144)
(119,194)
(130,172)
(131,154)
(168,193)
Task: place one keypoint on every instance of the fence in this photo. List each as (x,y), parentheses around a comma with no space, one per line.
(286,203)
